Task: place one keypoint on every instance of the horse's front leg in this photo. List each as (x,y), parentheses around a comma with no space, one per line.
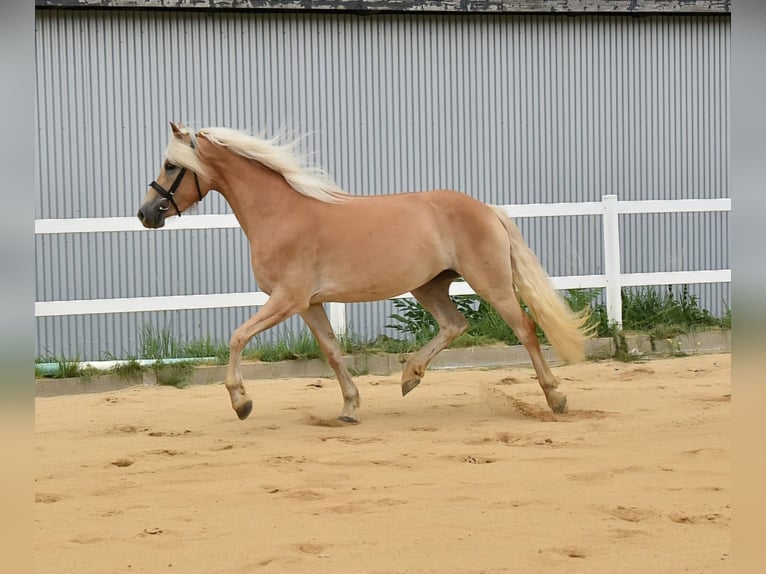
(278,308)
(316,318)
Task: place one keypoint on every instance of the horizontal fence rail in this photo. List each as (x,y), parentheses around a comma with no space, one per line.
(612,280)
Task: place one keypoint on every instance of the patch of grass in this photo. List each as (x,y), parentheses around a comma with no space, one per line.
(650,309)
(385,344)
(622,353)
(353,344)
(468,339)
(66,368)
(129,370)
(412,321)
(485,325)
(726,319)
(358,372)
(292,346)
(159,343)
(661,313)
(173,375)
(205,348)
(587,299)
(667,331)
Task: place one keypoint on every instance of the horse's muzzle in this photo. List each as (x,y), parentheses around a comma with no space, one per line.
(151,218)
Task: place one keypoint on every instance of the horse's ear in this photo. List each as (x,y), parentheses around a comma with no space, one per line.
(176,129)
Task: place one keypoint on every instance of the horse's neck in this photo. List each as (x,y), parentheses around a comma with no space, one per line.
(259,197)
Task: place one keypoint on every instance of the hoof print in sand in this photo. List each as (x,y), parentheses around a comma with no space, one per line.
(471,459)
(628,514)
(568,551)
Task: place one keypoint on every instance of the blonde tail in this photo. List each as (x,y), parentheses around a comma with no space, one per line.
(565,329)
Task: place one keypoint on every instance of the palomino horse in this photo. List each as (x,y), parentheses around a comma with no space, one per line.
(311,243)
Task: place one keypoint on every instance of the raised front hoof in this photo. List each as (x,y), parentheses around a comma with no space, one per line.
(408,385)
(244,409)
(348,419)
(557,402)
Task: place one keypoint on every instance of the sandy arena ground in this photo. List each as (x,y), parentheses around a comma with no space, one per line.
(469,473)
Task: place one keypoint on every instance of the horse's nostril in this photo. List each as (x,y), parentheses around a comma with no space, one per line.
(141,214)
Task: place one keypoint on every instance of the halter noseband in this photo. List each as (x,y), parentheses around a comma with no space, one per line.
(168,193)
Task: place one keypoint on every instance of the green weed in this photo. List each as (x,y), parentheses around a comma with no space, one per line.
(291,346)
(66,368)
(158,343)
(650,309)
(205,348)
(129,370)
(173,375)
(358,372)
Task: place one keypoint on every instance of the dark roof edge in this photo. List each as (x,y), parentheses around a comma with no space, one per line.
(418,7)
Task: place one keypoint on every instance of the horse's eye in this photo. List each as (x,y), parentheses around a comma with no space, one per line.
(169,166)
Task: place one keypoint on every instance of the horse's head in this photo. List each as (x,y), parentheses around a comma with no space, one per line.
(177,186)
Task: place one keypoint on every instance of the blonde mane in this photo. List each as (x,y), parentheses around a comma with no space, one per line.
(275,153)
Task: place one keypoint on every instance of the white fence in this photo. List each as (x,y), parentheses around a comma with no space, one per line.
(612,279)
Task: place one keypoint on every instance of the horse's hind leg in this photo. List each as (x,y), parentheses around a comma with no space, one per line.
(434,296)
(506,303)
(316,318)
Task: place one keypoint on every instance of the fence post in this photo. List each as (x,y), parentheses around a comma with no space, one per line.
(338,318)
(612,261)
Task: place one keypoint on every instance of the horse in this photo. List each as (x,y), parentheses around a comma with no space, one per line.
(312,243)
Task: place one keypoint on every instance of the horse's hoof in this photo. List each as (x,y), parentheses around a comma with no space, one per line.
(560,406)
(244,409)
(348,419)
(408,385)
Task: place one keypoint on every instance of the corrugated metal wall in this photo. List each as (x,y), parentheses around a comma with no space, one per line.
(509,109)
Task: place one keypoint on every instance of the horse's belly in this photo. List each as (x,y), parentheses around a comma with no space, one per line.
(359,288)
(371,267)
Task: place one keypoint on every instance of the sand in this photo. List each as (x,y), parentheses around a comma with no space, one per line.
(469,473)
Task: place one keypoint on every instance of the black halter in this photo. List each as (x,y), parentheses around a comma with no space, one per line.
(168,193)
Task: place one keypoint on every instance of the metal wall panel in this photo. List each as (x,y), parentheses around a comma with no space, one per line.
(508,109)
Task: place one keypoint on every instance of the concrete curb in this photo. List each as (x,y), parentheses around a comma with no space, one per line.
(383,365)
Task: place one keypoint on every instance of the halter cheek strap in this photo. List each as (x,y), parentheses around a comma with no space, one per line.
(168,193)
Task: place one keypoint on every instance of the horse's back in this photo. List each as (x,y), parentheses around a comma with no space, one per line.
(431,220)
(381,246)
(433,207)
